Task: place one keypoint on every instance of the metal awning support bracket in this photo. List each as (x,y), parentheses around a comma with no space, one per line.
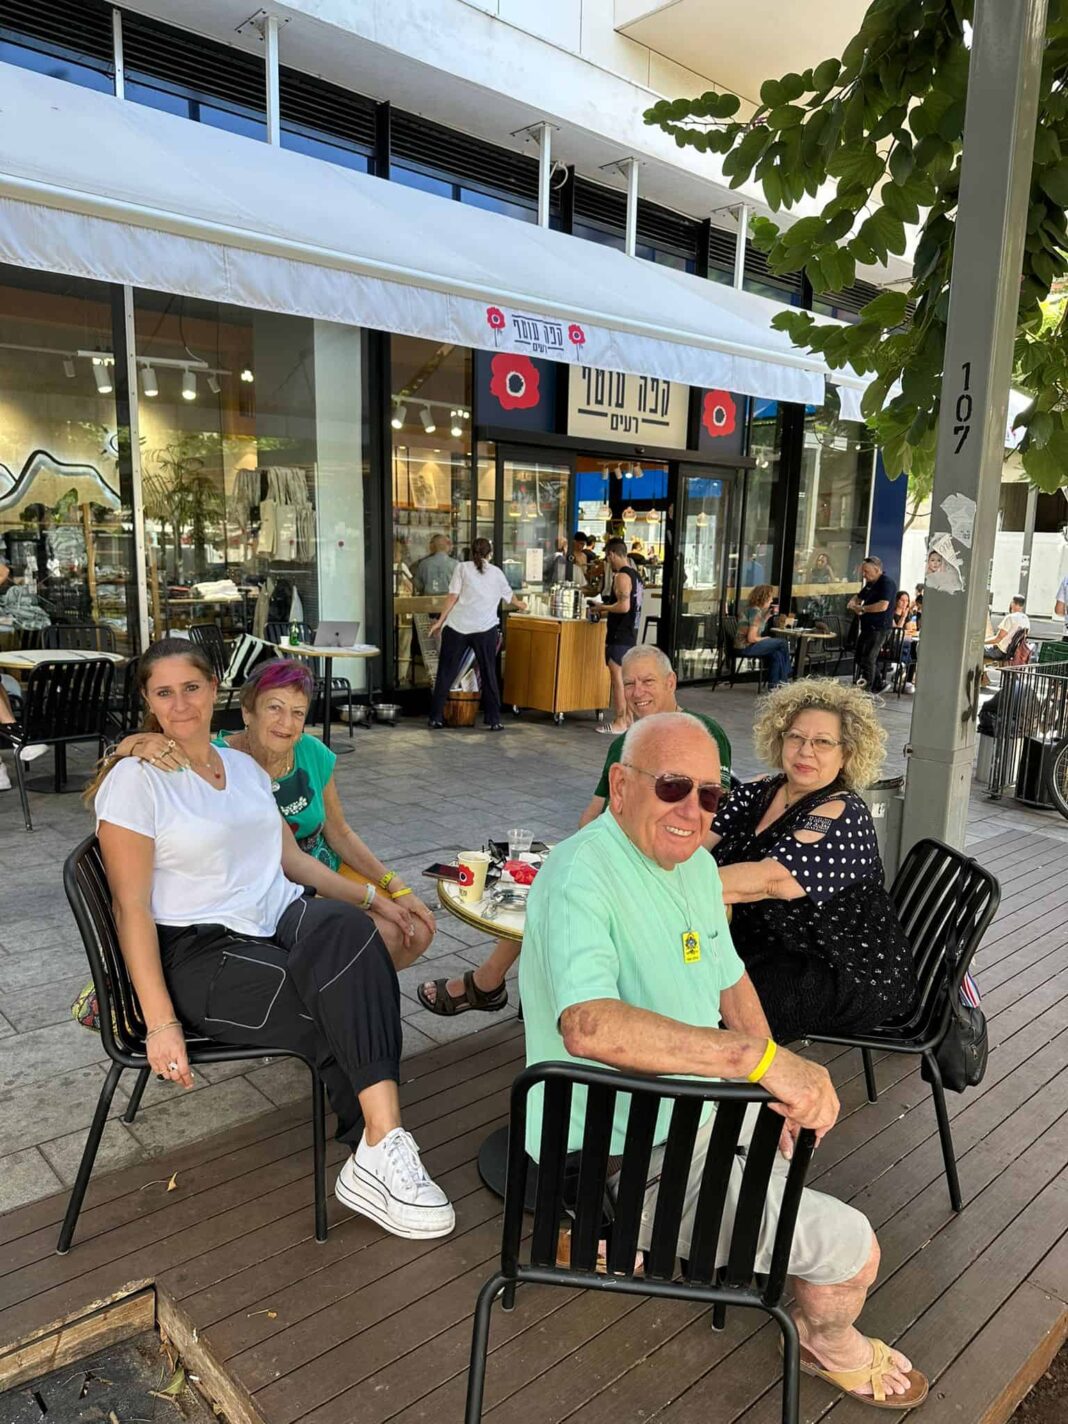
(541,134)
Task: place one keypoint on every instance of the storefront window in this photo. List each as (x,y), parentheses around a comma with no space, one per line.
(432,513)
(759,531)
(65,514)
(253,452)
(833,512)
(536,502)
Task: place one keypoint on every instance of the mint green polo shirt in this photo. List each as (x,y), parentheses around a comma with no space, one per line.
(605,922)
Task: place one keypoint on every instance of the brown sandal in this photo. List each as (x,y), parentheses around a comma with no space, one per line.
(473,997)
(850,1381)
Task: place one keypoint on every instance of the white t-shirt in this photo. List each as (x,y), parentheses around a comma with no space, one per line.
(218,856)
(479,597)
(1010,623)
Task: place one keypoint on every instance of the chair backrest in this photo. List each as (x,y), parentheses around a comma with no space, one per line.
(127,709)
(945,901)
(67,701)
(122,1028)
(1018,650)
(891,649)
(93,637)
(208,637)
(729,634)
(579,1181)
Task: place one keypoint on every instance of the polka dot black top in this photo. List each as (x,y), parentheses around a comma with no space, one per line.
(846,853)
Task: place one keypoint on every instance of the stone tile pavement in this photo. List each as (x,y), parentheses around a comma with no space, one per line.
(415,796)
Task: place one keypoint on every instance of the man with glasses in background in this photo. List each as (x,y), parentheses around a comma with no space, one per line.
(628,962)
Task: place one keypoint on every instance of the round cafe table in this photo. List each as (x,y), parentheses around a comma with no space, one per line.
(26,659)
(506,924)
(802,637)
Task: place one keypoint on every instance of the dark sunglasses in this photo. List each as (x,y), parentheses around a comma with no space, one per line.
(672,787)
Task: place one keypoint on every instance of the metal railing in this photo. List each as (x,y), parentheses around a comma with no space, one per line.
(1032,706)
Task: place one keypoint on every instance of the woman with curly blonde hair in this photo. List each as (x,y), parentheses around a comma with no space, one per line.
(799,862)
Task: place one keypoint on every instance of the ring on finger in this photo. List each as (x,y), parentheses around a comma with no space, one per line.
(173,1067)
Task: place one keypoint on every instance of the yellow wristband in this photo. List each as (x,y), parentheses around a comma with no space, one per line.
(398,893)
(389,875)
(765,1062)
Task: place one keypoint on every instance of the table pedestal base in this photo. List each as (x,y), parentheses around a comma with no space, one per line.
(493,1167)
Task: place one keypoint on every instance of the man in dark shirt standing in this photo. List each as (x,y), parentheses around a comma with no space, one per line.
(874,604)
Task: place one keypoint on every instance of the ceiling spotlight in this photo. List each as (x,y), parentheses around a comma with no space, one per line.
(702,520)
(102,377)
(456,429)
(429,424)
(68,367)
(514,512)
(400,415)
(636,472)
(213,383)
(624,467)
(189,385)
(247,376)
(628,514)
(149,384)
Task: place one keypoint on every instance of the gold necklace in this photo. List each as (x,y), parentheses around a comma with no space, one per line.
(206,765)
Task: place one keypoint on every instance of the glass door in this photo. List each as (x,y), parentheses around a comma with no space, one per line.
(534,503)
(705,548)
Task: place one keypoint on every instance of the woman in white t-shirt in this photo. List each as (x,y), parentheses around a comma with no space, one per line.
(470,618)
(209,893)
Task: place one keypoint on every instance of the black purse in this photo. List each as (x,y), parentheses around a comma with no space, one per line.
(963,1054)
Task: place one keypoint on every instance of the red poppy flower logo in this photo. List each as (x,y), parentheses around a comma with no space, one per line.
(719,413)
(495,318)
(465,877)
(515,382)
(576,335)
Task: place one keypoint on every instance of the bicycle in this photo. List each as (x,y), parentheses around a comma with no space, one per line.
(1057,777)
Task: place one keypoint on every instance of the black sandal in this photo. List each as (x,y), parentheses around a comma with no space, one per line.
(473,997)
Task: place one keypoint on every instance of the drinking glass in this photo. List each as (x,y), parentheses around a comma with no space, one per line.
(518,841)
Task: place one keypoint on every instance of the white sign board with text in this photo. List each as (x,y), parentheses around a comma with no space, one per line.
(611,405)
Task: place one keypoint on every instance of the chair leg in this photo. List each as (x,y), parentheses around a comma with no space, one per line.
(869,1076)
(137,1094)
(508,1296)
(938,1092)
(319,1153)
(85,1167)
(476,1374)
(20,779)
(791,1369)
(719,1316)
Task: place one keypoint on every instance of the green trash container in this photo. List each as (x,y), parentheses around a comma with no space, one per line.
(886,801)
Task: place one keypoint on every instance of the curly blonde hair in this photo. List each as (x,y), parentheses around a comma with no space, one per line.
(863,739)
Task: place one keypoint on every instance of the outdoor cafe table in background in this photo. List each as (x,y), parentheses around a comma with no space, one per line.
(501,924)
(802,637)
(25,659)
(308,650)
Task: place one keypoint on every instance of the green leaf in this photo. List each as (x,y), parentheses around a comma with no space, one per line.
(773,187)
(785,116)
(858,164)
(772,93)
(1054,182)
(902,162)
(1039,428)
(897,202)
(793,86)
(826,74)
(841,225)
(887,309)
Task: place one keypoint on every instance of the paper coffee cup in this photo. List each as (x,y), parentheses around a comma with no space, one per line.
(473,866)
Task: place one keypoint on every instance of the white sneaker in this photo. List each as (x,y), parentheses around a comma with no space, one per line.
(33,751)
(389,1184)
(5,779)
(910,688)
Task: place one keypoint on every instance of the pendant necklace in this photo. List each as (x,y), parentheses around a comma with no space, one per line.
(208,767)
(276,781)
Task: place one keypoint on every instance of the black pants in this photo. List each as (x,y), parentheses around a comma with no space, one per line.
(323,984)
(869,645)
(453,647)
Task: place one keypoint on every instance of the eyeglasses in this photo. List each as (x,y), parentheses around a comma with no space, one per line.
(797,742)
(673,787)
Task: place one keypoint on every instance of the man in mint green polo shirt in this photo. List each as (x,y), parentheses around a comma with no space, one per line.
(628,962)
(649,684)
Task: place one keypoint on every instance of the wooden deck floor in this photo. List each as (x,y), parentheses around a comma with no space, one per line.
(368,1328)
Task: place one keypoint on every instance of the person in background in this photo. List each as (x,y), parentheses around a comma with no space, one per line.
(637,553)
(434,573)
(209,891)
(622,613)
(751,641)
(821,570)
(799,862)
(996,649)
(873,605)
(903,618)
(1060,606)
(274,707)
(649,684)
(579,542)
(470,618)
(629,963)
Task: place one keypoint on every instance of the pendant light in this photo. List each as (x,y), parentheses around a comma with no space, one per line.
(189,385)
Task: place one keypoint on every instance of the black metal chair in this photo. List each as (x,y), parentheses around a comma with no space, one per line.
(208,637)
(731,655)
(122,1031)
(945,901)
(63,703)
(326,686)
(889,666)
(577,1184)
(85,637)
(124,707)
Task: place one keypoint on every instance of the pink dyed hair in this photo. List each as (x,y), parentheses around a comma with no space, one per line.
(280,672)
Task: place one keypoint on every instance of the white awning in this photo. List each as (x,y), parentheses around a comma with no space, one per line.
(97,187)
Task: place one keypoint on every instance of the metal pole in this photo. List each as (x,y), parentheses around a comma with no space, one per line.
(116,52)
(999,134)
(270,39)
(544,137)
(1030,519)
(742,214)
(137,507)
(630,244)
